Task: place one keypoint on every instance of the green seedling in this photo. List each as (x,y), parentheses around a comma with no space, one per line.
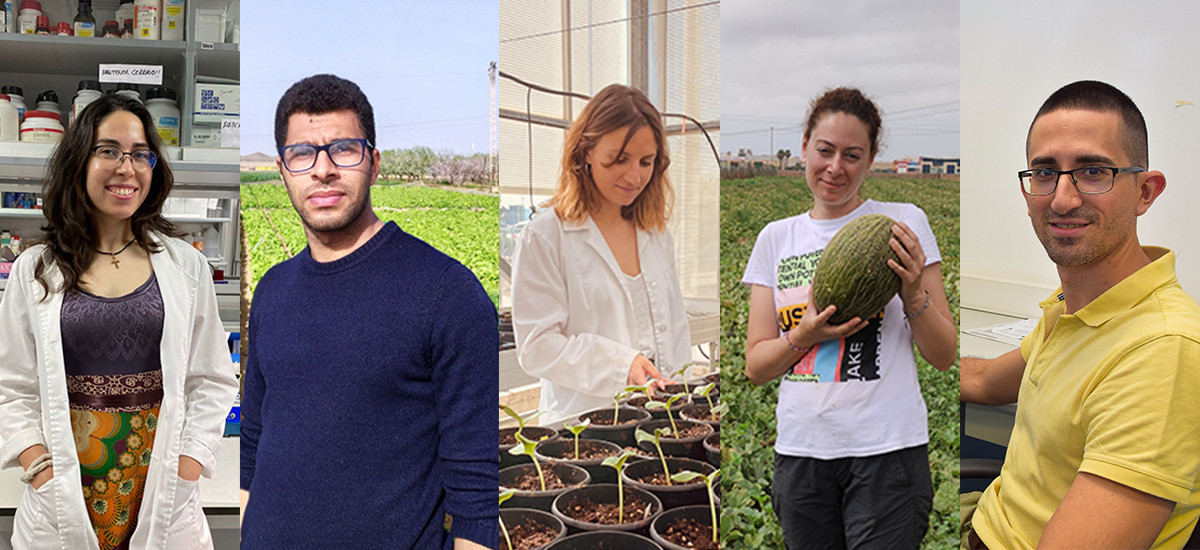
(682,371)
(617,403)
(521,420)
(505,495)
(719,410)
(576,429)
(703,390)
(616,463)
(642,435)
(686,476)
(525,447)
(670,403)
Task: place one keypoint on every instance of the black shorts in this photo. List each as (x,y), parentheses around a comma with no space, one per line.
(880,501)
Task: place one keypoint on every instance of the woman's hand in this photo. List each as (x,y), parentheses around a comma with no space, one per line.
(912,263)
(814,326)
(642,371)
(189,468)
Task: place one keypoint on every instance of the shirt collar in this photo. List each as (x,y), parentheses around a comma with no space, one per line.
(1126,293)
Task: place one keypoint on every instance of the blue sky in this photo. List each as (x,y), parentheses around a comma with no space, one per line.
(423,65)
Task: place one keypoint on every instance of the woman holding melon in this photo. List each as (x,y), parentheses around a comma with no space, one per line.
(596,302)
(851,468)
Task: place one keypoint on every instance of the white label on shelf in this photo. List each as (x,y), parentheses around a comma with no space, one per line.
(207,46)
(135,74)
(231,133)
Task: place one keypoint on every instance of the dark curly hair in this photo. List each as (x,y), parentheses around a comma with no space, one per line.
(70,230)
(1091,95)
(319,94)
(852,102)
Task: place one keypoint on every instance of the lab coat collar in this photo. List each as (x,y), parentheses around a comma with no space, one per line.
(595,239)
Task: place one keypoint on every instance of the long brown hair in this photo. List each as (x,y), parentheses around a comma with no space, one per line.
(852,102)
(70,231)
(615,107)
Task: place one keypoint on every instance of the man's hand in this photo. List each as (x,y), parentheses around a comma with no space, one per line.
(464,544)
(1100,513)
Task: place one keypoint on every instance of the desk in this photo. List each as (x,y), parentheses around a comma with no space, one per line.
(991,424)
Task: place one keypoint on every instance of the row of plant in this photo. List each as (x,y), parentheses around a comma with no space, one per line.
(392,196)
(641,474)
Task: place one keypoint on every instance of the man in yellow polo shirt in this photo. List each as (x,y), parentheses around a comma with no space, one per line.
(1105,449)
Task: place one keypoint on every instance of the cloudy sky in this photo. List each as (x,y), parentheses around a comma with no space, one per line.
(776,55)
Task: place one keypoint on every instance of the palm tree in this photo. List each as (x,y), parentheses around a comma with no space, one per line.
(783,155)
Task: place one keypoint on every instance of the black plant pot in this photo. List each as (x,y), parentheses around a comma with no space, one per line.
(701,514)
(672,496)
(687,447)
(563,450)
(604,540)
(712,449)
(572,476)
(621,434)
(694,411)
(536,433)
(606,494)
(513,517)
(639,402)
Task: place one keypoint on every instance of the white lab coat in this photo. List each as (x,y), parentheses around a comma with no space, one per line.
(197,374)
(572,314)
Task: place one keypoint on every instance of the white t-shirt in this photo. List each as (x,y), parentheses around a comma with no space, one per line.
(856,396)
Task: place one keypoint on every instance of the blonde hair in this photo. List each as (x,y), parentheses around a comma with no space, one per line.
(615,107)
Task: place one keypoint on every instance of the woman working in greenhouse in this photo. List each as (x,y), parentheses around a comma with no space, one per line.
(851,468)
(115,379)
(596,301)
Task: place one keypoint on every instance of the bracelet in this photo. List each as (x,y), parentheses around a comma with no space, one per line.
(40,463)
(911,316)
(787,337)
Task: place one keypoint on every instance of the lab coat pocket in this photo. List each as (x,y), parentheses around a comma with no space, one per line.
(189,529)
(35,523)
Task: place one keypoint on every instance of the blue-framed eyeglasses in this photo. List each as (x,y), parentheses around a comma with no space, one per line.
(142,159)
(1089,180)
(344,153)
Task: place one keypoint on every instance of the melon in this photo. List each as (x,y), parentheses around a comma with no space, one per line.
(853,273)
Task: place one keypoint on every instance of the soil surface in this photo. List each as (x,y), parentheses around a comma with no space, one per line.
(606,419)
(703,414)
(528,535)
(529,481)
(659,479)
(717,443)
(588,511)
(695,430)
(642,452)
(690,533)
(586,452)
(507,440)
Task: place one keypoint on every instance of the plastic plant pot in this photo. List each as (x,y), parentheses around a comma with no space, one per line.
(694,411)
(514,517)
(712,449)
(563,450)
(639,402)
(686,447)
(572,476)
(621,434)
(604,540)
(677,494)
(606,494)
(536,433)
(701,514)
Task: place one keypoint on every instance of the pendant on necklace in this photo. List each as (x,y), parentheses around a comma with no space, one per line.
(116,263)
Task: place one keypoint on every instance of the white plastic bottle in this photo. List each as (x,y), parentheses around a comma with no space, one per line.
(129,90)
(212,242)
(27,19)
(48,101)
(10,120)
(16,96)
(172,19)
(89,91)
(124,11)
(41,127)
(147,16)
(162,106)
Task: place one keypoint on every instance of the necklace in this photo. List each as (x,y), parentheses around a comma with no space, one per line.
(115,262)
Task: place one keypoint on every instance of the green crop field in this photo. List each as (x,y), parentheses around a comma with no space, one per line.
(463,225)
(748,430)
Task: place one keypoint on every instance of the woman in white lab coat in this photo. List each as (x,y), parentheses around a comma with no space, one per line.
(596,300)
(115,379)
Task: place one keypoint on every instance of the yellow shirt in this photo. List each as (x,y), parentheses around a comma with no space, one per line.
(1113,390)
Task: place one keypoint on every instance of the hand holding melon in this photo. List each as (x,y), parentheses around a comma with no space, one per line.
(855,272)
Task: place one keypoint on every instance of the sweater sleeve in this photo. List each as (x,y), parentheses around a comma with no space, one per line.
(464,340)
(253,388)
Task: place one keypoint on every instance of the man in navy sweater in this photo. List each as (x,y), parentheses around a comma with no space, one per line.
(368,412)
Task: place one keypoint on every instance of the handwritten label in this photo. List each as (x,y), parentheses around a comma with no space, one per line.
(134,74)
(231,133)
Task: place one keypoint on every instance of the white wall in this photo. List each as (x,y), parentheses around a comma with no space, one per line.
(1014,55)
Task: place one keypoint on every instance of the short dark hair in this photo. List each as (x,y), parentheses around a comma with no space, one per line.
(850,101)
(1091,95)
(319,94)
(70,223)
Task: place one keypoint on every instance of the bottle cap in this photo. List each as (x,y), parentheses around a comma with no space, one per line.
(48,95)
(12,90)
(31,5)
(42,21)
(160,92)
(89,85)
(64,27)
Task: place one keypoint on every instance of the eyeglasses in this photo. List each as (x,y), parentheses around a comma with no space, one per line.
(1089,180)
(344,153)
(142,159)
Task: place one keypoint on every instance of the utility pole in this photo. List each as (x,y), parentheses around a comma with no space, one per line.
(493,146)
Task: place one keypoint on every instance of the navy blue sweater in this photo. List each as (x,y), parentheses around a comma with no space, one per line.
(368,411)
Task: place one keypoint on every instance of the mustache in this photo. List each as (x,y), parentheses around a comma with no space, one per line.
(1079,213)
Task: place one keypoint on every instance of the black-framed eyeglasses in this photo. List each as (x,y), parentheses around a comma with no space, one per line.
(344,153)
(1089,180)
(142,159)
